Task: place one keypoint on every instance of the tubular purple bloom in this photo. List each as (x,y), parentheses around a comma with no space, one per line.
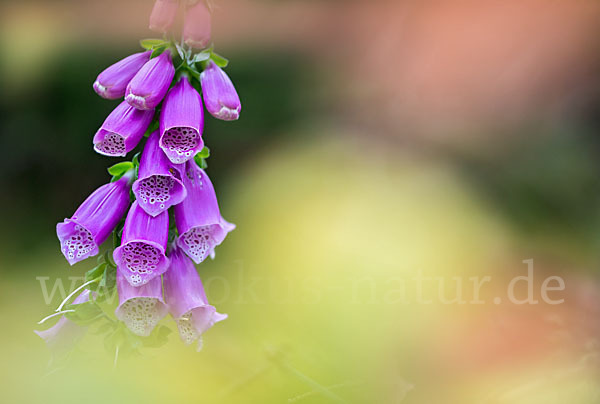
(112,82)
(156,188)
(163,15)
(220,97)
(197,25)
(199,222)
(122,130)
(61,337)
(182,122)
(187,300)
(81,235)
(149,86)
(140,308)
(141,256)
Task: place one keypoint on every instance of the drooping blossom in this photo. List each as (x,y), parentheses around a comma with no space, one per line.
(163,15)
(182,122)
(91,224)
(220,97)
(122,130)
(112,82)
(156,188)
(197,25)
(187,300)
(61,337)
(141,256)
(149,86)
(199,222)
(140,308)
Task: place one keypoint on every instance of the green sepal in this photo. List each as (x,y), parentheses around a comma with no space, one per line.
(201,57)
(158,50)
(201,157)
(152,43)
(118,170)
(218,59)
(204,153)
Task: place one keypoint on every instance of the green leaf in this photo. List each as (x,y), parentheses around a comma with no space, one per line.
(119,169)
(159,49)
(204,153)
(151,43)
(218,59)
(201,161)
(201,57)
(95,273)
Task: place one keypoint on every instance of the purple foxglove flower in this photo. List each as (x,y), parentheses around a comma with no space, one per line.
(81,235)
(61,337)
(122,130)
(187,300)
(141,256)
(112,82)
(156,188)
(140,308)
(149,86)
(163,15)
(182,123)
(197,25)
(220,97)
(199,222)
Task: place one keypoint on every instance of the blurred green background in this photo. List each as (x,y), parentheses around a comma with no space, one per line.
(378,140)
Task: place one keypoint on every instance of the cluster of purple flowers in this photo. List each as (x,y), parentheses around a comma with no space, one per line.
(155,272)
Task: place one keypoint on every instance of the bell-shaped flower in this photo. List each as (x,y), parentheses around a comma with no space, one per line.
(112,82)
(197,25)
(182,122)
(91,224)
(140,308)
(61,337)
(220,97)
(156,188)
(187,300)
(122,130)
(141,256)
(163,15)
(199,222)
(149,86)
